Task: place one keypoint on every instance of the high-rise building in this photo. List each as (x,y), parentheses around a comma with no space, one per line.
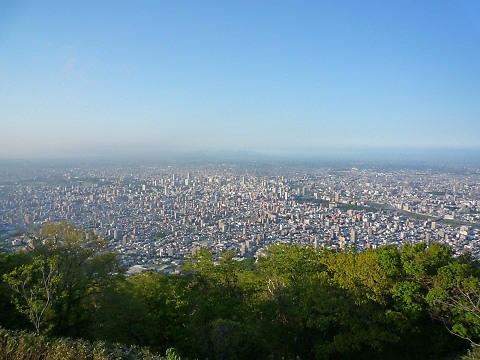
(353,236)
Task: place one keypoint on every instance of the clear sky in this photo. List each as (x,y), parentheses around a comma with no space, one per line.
(106,77)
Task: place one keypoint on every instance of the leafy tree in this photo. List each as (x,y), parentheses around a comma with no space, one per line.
(421,266)
(293,302)
(121,317)
(389,258)
(217,302)
(361,274)
(86,268)
(82,269)
(420,261)
(408,299)
(35,284)
(166,308)
(367,325)
(455,299)
(10,317)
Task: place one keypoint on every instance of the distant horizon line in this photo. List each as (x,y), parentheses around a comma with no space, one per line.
(309,150)
(467,155)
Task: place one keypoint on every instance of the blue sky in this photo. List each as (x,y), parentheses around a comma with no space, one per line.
(111,77)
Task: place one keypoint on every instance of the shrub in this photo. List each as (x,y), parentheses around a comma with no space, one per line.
(21,345)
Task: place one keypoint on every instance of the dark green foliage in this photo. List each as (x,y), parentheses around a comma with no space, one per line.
(119,316)
(86,271)
(293,303)
(10,317)
(164,311)
(78,270)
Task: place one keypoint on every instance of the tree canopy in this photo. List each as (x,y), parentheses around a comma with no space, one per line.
(416,301)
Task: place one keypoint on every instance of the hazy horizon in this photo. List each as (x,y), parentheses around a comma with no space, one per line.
(312,79)
(430,158)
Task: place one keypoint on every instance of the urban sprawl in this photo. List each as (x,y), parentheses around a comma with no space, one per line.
(157,216)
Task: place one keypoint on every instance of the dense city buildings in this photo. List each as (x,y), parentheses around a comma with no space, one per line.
(156,216)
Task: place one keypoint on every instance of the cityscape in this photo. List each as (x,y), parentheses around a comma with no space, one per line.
(239,180)
(156,216)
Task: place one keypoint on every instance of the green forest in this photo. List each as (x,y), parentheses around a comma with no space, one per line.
(68,292)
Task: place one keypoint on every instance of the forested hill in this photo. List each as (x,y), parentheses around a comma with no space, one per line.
(416,302)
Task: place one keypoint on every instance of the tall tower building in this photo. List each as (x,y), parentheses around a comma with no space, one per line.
(353,236)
